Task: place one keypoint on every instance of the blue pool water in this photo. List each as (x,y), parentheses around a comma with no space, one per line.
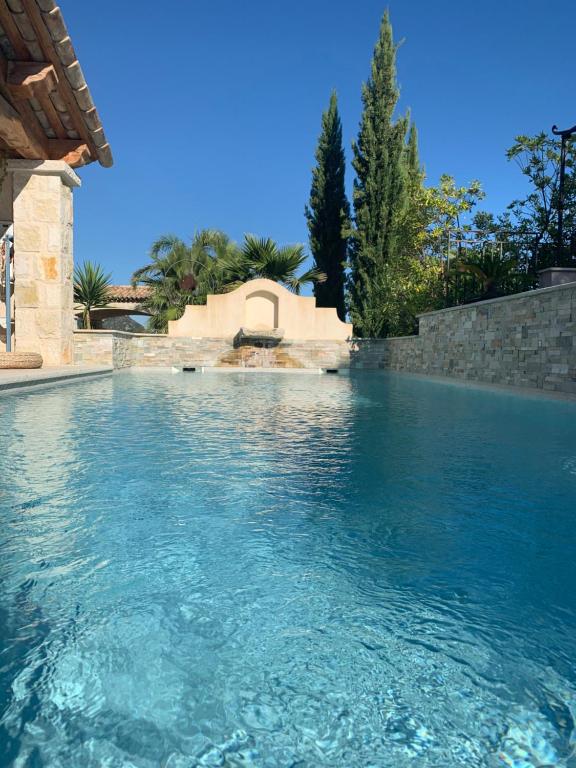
(286,572)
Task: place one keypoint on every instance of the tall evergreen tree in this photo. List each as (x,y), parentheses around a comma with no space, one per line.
(328,212)
(412,220)
(380,188)
(412,158)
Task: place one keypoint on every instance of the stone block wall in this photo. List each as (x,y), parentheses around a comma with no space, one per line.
(119,349)
(43,259)
(109,349)
(526,340)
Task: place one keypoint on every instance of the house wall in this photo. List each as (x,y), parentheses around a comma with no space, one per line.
(6,214)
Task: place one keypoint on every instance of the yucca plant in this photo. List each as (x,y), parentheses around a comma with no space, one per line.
(91,287)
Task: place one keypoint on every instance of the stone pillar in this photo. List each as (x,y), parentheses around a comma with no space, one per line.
(43,258)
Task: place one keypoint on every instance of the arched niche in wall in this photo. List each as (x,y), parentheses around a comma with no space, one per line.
(261,310)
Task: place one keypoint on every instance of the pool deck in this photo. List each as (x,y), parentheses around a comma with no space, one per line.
(18,379)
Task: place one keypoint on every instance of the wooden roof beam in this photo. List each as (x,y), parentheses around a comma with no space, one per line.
(13,33)
(29,79)
(71,151)
(35,80)
(17,136)
(66,91)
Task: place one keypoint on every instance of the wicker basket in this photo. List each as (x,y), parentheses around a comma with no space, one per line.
(20,360)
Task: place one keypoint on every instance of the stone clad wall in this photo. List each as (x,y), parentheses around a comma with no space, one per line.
(526,340)
(103,348)
(43,259)
(121,350)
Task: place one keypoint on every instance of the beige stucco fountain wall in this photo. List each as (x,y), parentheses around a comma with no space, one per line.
(261,305)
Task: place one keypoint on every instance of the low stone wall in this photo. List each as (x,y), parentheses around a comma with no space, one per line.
(107,348)
(121,350)
(525,340)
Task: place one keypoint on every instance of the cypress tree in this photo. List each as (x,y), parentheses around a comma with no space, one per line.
(412,158)
(328,212)
(411,223)
(380,188)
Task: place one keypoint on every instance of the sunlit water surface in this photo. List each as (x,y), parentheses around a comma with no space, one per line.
(282,572)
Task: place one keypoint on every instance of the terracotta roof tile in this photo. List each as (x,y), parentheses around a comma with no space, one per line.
(35,31)
(128,293)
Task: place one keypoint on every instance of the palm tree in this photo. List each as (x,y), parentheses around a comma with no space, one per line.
(180,274)
(492,270)
(91,288)
(262,257)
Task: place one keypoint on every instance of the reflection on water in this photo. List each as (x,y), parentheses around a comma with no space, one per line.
(286,571)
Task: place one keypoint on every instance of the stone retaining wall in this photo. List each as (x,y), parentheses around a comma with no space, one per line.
(525,340)
(121,350)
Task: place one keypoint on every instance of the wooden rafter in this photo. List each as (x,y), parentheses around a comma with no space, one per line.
(45,41)
(35,80)
(73,152)
(40,100)
(27,79)
(17,135)
(13,33)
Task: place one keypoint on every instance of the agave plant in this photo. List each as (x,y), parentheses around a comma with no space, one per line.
(91,286)
(262,257)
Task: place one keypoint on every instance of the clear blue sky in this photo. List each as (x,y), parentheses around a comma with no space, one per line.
(213,108)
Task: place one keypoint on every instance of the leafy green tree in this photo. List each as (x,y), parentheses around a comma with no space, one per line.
(533,219)
(91,287)
(328,212)
(380,189)
(449,208)
(402,290)
(414,217)
(262,257)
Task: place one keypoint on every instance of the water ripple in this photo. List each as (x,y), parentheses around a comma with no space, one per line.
(286,571)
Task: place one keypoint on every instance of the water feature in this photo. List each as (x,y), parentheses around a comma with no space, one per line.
(280,571)
(259,348)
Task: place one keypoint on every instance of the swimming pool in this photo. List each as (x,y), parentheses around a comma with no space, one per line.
(283,571)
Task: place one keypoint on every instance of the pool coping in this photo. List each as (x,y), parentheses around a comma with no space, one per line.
(538,393)
(16,380)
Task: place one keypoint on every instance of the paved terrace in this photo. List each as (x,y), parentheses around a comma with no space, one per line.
(14,380)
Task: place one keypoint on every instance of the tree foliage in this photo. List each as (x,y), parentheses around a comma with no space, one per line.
(262,257)
(533,219)
(179,274)
(380,187)
(328,212)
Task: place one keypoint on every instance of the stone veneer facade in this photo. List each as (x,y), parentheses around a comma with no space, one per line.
(122,350)
(38,199)
(525,340)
